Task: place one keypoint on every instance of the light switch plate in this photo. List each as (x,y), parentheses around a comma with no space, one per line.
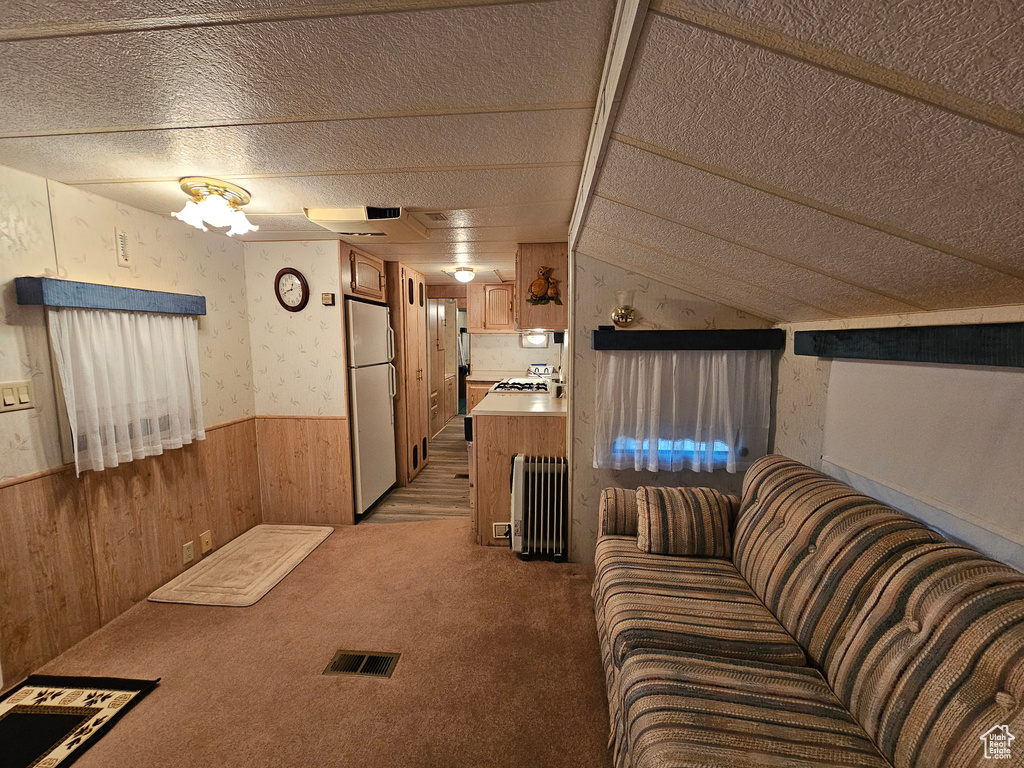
(205,542)
(16,396)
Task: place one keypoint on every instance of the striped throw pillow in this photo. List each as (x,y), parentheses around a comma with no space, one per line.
(692,522)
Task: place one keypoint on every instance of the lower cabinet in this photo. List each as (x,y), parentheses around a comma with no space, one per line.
(451,397)
(476,391)
(496,439)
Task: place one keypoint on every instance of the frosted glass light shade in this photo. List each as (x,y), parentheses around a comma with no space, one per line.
(464,274)
(191,214)
(216,211)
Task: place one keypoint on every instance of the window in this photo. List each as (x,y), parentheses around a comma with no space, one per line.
(130,382)
(691,409)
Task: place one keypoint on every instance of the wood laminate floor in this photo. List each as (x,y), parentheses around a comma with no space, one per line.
(440,491)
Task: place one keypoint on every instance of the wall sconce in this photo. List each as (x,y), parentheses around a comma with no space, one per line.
(214,202)
(624,313)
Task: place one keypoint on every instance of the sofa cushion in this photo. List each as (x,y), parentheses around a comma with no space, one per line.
(689,711)
(693,522)
(616,512)
(699,605)
(936,658)
(813,549)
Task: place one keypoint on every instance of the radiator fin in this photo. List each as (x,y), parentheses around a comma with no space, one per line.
(540,506)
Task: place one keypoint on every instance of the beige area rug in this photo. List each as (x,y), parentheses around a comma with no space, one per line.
(246,568)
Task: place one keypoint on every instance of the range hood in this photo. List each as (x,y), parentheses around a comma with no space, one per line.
(369,224)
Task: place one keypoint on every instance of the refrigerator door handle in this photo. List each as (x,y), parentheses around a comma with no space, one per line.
(394,382)
(391,338)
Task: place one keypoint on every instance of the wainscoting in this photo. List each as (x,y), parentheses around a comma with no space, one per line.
(77,552)
(305,470)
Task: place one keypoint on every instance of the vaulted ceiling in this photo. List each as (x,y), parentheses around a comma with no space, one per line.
(477,109)
(799,160)
(807,159)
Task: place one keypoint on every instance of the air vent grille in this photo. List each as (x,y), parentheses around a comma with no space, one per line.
(366,663)
(382,213)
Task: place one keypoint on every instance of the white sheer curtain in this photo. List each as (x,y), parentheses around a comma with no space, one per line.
(667,411)
(131,383)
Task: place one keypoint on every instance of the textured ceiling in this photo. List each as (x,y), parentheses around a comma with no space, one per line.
(479,110)
(799,160)
(807,160)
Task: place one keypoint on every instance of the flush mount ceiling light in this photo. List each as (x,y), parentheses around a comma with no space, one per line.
(214,202)
(464,274)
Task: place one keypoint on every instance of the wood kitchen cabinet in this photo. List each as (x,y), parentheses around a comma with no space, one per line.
(407,298)
(475,392)
(451,397)
(496,439)
(363,274)
(490,308)
(554,259)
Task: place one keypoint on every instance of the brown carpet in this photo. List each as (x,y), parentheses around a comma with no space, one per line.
(500,663)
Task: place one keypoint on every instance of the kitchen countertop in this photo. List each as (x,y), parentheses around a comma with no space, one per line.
(493,375)
(520,404)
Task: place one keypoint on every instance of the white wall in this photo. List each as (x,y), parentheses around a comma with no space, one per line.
(48,228)
(659,306)
(802,382)
(298,358)
(924,492)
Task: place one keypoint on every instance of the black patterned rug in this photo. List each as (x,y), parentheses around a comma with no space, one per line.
(49,721)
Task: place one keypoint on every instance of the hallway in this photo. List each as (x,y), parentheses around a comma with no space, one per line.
(440,491)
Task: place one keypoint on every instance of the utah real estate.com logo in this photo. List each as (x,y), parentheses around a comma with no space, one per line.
(997,742)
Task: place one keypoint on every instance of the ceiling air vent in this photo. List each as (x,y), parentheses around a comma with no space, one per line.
(380,224)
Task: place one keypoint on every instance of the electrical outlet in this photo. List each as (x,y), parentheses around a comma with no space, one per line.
(205,542)
(188,553)
(501,530)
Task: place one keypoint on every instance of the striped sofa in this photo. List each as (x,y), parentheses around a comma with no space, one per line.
(840,632)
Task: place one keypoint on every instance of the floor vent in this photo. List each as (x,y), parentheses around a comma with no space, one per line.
(462,476)
(366,663)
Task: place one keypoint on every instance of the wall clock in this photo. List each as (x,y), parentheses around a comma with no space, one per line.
(292,289)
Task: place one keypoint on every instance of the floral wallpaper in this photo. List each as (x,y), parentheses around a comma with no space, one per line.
(802,382)
(299,358)
(658,306)
(29,439)
(165,255)
(501,352)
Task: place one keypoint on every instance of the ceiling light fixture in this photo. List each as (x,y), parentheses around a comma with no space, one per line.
(464,274)
(214,202)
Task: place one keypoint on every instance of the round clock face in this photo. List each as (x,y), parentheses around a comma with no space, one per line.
(292,290)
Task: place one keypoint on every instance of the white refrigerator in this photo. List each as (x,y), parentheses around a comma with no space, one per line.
(372,388)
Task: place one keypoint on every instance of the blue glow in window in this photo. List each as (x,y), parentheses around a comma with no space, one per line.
(671,451)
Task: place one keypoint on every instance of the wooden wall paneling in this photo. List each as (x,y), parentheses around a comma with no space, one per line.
(230,482)
(305,470)
(77,552)
(47,578)
(141,513)
(496,439)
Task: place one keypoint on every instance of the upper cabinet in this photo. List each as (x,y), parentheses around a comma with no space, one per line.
(365,274)
(542,291)
(490,307)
